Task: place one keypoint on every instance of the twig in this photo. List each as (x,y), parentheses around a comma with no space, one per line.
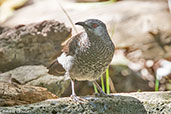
(70,20)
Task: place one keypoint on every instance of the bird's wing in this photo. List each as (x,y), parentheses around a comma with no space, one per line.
(69,47)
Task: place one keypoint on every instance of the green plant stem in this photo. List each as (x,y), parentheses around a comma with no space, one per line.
(157,85)
(95,89)
(102,83)
(107,81)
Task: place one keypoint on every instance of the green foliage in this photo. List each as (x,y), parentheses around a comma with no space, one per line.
(107,87)
(102,83)
(139,90)
(113,0)
(95,89)
(107,81)
(157,85)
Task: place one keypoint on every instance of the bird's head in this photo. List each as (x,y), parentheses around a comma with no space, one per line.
(93,26)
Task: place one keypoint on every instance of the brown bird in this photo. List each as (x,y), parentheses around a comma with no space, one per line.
(86,55)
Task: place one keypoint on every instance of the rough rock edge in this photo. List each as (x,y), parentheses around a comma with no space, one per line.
(31,44)
(124,103)
(14,94)
(36,75)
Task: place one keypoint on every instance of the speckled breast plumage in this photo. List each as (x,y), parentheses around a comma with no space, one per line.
(91,58)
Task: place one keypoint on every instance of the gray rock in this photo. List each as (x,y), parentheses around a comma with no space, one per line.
(124,103)
(36,76)
(31,44)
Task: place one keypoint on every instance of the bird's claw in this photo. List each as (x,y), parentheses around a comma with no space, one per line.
(77,99)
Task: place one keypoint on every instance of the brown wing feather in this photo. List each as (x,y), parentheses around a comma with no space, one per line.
(71,44)
(69,47)
(56,69)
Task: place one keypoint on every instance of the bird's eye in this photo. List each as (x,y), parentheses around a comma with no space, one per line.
(94,25)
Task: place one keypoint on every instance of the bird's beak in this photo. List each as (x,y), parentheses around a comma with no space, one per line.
(83,24)
(80,23)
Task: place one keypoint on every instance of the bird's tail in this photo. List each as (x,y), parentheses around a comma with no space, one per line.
(56,69)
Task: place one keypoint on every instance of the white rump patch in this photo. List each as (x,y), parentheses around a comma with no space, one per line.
(65,61)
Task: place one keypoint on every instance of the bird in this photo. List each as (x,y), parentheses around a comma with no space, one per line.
(86,55)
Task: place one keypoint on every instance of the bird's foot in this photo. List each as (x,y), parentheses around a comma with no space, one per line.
(77,99)
(101,94)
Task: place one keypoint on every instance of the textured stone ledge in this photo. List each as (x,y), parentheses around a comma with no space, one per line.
(123,103)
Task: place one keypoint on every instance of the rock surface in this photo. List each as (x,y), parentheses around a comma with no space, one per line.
(133,103)
(36,76)
(14,94)
(31,44)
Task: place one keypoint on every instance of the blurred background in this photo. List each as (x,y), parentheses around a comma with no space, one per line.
(140,30)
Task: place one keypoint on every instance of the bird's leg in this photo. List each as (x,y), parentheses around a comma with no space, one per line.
(73,96)
(100,89)
(72,87)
